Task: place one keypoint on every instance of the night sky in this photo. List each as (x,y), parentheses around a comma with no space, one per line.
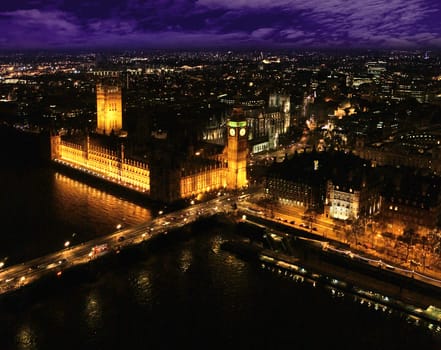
(57,24)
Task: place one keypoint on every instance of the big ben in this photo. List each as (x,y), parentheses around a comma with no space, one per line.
(237,150)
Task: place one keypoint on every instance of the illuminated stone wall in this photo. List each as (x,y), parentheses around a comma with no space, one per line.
(104,163)
(237,151)
(343,204)
(261,124)
(229,171)
(109,108)
(203,181)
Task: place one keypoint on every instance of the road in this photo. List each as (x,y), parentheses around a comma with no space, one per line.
(17,276)
(20,275)
(324,229)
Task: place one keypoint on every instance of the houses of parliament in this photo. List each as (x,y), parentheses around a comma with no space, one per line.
(161,175)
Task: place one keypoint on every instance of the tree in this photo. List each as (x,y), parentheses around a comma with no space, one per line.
(424,241)
(409,237)
(434,242)
(310,217)
(356,227)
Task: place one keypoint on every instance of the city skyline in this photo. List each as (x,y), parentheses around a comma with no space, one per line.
(210,24)
(156,197)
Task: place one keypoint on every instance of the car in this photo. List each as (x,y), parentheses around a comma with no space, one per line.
(121,238)
(415,263)
(390,267)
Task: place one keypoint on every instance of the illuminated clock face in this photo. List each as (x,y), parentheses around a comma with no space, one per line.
(242,131)
(232,132)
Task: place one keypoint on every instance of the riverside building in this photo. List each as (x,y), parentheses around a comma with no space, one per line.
(171,171)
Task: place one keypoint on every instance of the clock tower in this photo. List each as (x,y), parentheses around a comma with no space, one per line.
(237,149)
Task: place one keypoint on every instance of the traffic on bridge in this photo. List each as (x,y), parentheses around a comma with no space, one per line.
(17,276)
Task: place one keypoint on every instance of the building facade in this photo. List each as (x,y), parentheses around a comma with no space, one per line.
(102,162)
(237,150)
(109,109)
(339,185)
(347,201)
(411,199)
(419,149)
(299,182)
(169,173)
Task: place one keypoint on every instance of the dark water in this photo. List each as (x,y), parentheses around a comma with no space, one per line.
(184,294)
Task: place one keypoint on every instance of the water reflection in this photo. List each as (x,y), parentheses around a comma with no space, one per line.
(340,290)
(142,287)
(93,311)
(86,204)
(26,339)
(236,264)
(185,260)
(216,243)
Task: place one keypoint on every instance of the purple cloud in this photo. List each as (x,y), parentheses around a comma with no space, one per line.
(212,23)
(365,22)
(33,28)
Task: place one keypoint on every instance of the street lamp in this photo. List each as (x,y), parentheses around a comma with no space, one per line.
(2,262)
(66,244)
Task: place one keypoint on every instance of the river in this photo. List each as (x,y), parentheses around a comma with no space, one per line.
(186,293)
